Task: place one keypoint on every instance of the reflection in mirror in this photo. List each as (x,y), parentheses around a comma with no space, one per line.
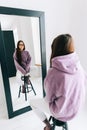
(15,28)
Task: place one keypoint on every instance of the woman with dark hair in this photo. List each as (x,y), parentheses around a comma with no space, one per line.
(64,84)
(22,59)
(62,45)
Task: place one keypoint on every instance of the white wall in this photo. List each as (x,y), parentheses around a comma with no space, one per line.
(61,16)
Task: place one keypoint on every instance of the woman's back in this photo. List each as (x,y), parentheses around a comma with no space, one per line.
(64,86)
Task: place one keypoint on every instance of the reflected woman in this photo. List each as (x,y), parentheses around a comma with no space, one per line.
(22,59)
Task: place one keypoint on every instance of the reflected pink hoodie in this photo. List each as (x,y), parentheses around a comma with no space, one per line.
(65,86)
(26,60)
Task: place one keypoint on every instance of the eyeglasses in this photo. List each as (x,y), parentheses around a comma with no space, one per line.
(21,44)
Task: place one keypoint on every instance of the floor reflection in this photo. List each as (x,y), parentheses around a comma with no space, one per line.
(21,102)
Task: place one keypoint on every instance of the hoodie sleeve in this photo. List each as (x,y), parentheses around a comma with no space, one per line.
(18,67)
(28,62)
(85,75)
(53,92)
(54,95)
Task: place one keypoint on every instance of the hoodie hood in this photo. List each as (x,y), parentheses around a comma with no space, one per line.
(67,63)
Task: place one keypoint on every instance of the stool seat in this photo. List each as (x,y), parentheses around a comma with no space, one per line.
(59,123)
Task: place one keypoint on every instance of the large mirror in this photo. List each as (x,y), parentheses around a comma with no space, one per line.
(28,26)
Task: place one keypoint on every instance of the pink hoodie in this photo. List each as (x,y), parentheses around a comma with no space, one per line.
(65,86)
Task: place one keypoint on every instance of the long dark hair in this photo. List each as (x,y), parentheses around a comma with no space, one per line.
(61,46)
(18,52)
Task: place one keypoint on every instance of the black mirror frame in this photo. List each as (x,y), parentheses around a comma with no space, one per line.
(28,13)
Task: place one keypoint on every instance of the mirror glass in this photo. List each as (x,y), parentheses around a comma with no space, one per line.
(15,28)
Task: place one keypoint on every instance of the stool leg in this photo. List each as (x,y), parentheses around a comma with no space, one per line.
(25,92)
(53,127)
(19,91)
(53,124)
(27,88)
(65,127)
(25,96)
(50,118)
(32,88)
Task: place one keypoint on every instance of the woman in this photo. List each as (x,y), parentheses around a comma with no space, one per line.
(64,84)
(22,59)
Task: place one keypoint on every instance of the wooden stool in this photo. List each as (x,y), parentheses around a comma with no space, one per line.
(27,86)
(58,123)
